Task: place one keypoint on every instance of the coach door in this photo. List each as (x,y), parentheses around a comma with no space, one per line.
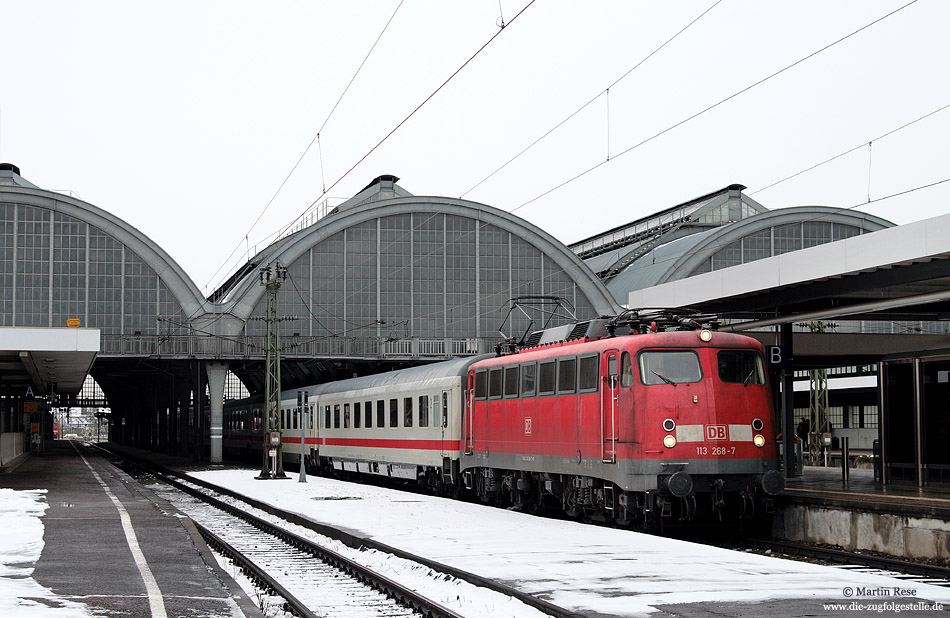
(468,414)
(443,419)
(609,400)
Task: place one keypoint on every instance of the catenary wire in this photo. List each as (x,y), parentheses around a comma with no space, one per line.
(710,108)
(309,146)
(591,101)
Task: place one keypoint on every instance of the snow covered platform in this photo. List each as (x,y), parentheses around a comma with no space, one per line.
(593,570)
(80,539)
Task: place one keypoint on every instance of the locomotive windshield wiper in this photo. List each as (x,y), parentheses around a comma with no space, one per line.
(662,377)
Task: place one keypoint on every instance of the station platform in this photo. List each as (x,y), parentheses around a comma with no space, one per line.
(860,514)
(820,485)
(114,547)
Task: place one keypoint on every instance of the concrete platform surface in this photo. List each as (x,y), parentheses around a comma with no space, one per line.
(112,545)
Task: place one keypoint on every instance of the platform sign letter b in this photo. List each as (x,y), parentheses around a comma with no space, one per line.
(776,356)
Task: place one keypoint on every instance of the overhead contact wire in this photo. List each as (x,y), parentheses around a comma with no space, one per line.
(711,107)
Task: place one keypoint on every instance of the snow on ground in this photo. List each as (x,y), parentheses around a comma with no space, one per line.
(581,567)
(21,543)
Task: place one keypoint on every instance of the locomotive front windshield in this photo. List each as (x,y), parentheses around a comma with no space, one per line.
(669,367)
(741,367)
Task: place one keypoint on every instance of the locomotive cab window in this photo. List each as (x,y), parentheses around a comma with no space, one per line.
(669,367)
(626,370)
(511,382)
(494,383)
(481,384)
(566,375)
(546,375)
(741,367)
(529,376)
(589,372)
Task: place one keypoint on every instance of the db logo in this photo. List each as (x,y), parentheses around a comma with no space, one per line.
(715,432)
(527,426)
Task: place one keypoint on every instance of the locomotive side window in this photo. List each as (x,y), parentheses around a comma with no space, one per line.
(394,413)
(741,367)
(407,407)
(546,378)
(669,367)
(589,372)
(494,383)
(336,416)
(369,414)
(626,370)
(511,381)
(423,410)
(357,415)
(529,377)
(380,413)
(566,375)
(481,384)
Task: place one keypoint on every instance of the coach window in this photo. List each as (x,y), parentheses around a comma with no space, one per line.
(546,377)
(529,377)
(423,410)
(380,413)
(626,370)
(669,367)
(566,375)
(481,384)
(369,414)
(494,383)
(336,416)
(407,410)
(435,410)
(511,382)
(357,415)
(346,416)
(394,413)
(295,414)
(326,416)
(589,373)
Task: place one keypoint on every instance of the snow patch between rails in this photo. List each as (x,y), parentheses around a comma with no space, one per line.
(588,569)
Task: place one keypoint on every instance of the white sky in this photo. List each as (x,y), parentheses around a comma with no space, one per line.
(184,118)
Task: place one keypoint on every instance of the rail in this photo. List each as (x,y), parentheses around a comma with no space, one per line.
(353,541)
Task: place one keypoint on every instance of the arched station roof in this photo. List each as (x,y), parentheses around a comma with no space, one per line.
(721,229)
(388,262)
(65,258)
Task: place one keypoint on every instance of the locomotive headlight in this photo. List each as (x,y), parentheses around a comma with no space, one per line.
(759,440)
(757,424)
(669,441)
(669,425)
(705,335)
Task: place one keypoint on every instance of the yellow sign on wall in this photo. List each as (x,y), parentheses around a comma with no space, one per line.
(73,322)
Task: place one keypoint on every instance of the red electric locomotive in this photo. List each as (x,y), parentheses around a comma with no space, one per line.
(671,421)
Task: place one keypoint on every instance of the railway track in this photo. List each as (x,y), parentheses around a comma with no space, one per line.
(918,571)
(202,504)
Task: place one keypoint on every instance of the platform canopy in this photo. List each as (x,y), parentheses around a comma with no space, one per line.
(44,358)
